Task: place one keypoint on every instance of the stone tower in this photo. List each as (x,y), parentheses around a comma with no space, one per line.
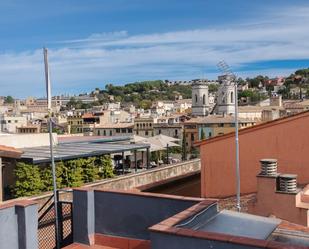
(226,96)
(200,101)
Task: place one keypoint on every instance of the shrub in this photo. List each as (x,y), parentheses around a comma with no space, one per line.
(28,180)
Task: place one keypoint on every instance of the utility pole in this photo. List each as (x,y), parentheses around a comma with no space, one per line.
(227,71)
(50,125)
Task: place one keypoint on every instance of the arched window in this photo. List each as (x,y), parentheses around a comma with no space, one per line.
(204,99)
(232,97)
(195,98)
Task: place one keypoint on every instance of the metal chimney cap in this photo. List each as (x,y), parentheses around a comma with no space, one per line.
(288,176)
(268,160)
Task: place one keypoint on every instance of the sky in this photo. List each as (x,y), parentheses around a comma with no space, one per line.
(95,42)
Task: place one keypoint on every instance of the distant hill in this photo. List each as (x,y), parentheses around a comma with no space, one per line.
(142,94)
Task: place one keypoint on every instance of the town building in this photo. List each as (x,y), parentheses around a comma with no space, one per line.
(117,129)
(143,126)
(9,123)
(28,129)
(226,96)
(200,101)
(201,128)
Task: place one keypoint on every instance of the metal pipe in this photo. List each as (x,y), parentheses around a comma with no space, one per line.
(49,106)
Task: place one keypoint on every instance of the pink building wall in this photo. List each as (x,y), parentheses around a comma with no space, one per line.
(286,139)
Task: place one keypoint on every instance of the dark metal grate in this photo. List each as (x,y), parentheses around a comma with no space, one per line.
(46,228)
(66,223)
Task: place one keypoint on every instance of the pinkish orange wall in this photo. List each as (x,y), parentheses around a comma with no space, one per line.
(286,139)
(282,205)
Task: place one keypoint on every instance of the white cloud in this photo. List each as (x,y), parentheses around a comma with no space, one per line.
(119,57)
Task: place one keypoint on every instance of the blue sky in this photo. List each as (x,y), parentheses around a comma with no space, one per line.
(95,42)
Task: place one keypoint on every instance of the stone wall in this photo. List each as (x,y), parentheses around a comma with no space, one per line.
(134,180)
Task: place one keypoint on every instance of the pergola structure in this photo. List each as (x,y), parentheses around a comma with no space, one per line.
(68,151)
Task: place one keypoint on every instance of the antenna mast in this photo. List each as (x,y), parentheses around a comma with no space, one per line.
(49,107)
(224,67)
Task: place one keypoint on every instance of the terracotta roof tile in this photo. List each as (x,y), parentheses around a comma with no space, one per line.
(11,152)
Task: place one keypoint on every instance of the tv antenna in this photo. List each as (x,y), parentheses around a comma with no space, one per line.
(226,70)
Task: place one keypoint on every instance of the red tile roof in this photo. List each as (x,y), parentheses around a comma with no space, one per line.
(11,152)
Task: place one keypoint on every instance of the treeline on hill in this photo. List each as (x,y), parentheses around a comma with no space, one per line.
(142,94)
(33,179)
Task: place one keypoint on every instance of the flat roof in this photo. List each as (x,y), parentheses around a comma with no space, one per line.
(67,151)
(239,224)
(93,139)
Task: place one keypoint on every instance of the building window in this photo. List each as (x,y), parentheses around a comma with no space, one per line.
(104,132)
(117,130)
(124,130)
(146,133)
(232,97)
(204,99)
(195,98)
(130,130)
(192,137)
(209,134)
(110,133)
(159,131)
(176,132)
(99,133)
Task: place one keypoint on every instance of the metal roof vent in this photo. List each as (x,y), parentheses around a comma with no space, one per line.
(268,167)
(288,183)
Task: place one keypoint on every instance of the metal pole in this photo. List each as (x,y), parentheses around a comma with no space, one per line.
(226,69)
(147,157)
(237,150)
(167,162)
(123,163)
(49,106)
(135,161)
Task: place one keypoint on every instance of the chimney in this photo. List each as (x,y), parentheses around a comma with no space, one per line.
(268,167)
(287,183)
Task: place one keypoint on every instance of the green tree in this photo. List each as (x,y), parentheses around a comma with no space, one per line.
(203,136)
(47,178)
(90,170)
(28,180)
(105,166)
(72,173)
(9,100)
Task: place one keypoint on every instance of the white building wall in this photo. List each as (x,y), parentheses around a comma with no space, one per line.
(200,99)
